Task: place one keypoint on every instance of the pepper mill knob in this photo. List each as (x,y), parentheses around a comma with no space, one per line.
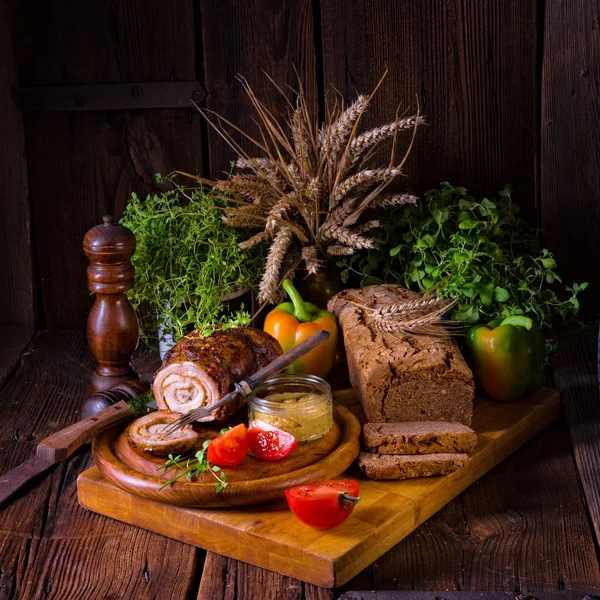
(112,329)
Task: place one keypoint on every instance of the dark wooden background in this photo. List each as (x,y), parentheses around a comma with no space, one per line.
(509,88)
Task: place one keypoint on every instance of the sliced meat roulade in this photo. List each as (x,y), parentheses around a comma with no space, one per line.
(146,434)
(198,371)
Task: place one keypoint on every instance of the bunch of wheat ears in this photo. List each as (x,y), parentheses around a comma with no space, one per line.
(421,315)
(309,191)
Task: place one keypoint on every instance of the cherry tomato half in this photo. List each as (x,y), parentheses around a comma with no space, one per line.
(324,505)
(230,448)
(268,442)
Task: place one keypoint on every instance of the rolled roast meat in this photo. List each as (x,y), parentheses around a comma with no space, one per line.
(146,434)
(198,371)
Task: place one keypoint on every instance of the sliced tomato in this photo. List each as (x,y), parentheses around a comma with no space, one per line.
(230,448)
(324,505)
(268,442)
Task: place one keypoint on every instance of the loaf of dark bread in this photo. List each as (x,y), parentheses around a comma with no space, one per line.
(418,437)
(388,466)
(401,377)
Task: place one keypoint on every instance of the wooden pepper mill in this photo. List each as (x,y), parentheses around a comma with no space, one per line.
(112,329)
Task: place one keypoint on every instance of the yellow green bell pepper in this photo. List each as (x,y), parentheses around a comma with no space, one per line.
(507,357)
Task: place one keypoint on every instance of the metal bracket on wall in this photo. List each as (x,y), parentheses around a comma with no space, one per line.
(111,96)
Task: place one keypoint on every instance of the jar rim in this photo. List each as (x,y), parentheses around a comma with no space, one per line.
(301,379)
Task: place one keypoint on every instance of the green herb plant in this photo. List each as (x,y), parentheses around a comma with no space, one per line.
(478,251)
(139,404)
(186,261)
(193,466)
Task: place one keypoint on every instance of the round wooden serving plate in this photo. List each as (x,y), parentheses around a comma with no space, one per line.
(253,482)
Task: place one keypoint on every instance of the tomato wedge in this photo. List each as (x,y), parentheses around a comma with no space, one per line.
(268,442)
(230,448)
(324,505)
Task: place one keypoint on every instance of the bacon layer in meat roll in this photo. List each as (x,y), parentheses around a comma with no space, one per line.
(146,434)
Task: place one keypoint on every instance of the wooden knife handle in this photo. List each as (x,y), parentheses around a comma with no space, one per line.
(285,360)
(60,445)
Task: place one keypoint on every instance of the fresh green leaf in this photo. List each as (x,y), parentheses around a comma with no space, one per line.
(500,294)
(549,263)
(518,321)
(192,466)
(486,293)
(468,224)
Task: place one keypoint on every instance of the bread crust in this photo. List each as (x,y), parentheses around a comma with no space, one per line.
(387,466)
(401,377)
(418,437)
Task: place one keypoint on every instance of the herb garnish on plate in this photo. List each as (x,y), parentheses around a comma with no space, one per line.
(192,466)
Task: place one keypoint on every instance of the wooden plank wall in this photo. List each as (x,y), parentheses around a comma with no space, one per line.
(570,140)
(17,280)
(509,90)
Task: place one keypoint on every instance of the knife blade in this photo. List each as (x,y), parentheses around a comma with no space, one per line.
(59,446)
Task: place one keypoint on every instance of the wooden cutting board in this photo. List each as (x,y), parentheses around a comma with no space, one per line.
(270,536)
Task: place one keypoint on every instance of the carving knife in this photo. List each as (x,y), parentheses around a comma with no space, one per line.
(60,445)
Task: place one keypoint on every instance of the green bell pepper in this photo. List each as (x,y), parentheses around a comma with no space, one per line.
(507,357)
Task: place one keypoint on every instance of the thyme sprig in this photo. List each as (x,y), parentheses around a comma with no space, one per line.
(192,466)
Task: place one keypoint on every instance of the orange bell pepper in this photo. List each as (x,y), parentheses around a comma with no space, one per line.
(292,322)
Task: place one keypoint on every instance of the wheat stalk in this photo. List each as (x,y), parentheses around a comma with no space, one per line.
(311,260)
(418,304)
(367,226)
(339,250)
(351,239)
(269,283)
(249,186)
(426,325)
(259,238)
(336,137)
(420,315)
(388,200)
(361,181)
(257,165)
(279,209)
(367,140)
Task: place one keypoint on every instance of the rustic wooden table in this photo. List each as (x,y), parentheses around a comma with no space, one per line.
(529,525)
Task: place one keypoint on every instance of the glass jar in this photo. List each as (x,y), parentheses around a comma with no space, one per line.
(298,404)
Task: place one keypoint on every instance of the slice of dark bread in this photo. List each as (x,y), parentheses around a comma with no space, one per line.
(418,437)
(390,466)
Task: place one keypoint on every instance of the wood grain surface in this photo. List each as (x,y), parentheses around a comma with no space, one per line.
(251,39)
(270,536)
(14,341)
(576,371)
(570,139)
(127,149)
(471,66)
(507,88)
(17,276)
